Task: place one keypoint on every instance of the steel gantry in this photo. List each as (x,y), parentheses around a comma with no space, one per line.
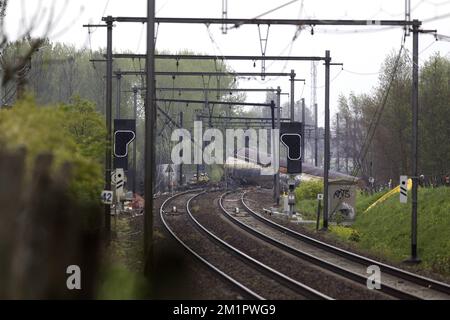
(151,20)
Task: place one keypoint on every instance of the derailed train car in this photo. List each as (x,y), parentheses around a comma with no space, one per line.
(245,169)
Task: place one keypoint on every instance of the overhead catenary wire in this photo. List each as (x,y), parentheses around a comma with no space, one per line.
(290,44)
(331,81)
(268,12)
(103,14)
(361,73)
(377,115)
(376,30)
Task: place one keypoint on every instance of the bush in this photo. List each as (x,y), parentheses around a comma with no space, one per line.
(441,264)
(73,133)
(346,233)
(308,190)
(216,173)
(307,208)
(355,236)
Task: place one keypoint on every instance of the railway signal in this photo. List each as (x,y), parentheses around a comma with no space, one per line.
(150,114)
(124,135)
(291,138)
(120,183)
(122,139)
(403,189)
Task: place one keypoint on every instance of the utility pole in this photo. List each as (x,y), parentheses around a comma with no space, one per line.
(135,96)
(272,114)
(347,129)
(407,16)
(326,166)
(181,152)
(224,15)
(338,143)
(415,140)
(303,128)
(316,136)
(292,79)
(108,114)
(277,152)
(119,89)
(197,167)
(150,120)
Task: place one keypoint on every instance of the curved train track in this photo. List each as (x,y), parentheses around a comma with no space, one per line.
(250,277)
(396,282)
(258,278)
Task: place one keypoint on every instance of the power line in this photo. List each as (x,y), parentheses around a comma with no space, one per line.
(380,29)
(361,73)
(331,81)
(377,115)
(266,13)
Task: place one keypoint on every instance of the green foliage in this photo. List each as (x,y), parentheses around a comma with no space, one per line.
(307,208)
(122,276)
(338,217)
(390,149)
(63,131)
(308,190)
(60,72)
(355,236)
(216,173)
(435,116)
(346,233)
(87,127)
(306,198)
(385,229)
(119,283)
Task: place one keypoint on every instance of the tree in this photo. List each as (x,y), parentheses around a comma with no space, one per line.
(435,116)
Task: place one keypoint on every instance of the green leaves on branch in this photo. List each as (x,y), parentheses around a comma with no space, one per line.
(73,133)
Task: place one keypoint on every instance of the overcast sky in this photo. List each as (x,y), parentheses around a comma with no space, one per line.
(362,50)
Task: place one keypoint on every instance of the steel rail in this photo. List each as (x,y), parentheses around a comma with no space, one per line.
(281,277)
(394,271)
(216,270)
(313,259)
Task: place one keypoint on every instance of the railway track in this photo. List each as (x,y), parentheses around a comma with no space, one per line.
(395,282)
(250,277)
(208,212)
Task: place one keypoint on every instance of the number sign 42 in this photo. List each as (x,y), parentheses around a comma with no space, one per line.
(107,197)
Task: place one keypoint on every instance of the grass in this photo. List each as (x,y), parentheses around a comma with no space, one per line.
(119,283)
(121,275)
(385,229)
(308,209)
(363,201)
(306,196)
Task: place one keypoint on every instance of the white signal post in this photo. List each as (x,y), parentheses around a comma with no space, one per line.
(120,183)
(403,189)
